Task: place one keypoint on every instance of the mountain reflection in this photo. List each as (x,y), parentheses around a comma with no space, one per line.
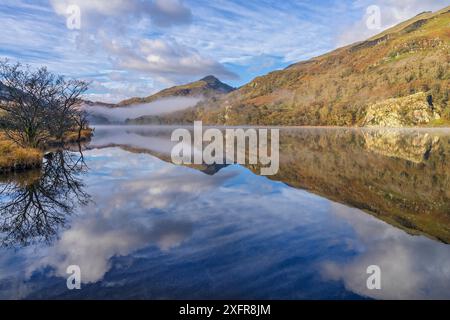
(413,146)
(35,205)
(401,176)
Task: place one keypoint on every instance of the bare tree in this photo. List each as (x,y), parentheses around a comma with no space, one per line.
(82,122)
(34,209)
(39,105)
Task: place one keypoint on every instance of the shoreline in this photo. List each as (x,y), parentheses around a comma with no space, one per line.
(14,159)
(269,126)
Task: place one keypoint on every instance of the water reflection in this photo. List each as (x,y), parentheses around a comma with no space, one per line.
(412,267)
(158,231)
(411,146)
(35,205)
(401,176)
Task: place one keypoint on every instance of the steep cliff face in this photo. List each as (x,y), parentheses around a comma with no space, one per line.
(413,110)
(338,88)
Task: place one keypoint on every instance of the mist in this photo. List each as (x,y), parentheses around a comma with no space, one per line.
(162,106)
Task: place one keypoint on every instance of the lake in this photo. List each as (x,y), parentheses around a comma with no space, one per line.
(141,227)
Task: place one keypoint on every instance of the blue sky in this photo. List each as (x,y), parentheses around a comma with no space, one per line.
(136,47)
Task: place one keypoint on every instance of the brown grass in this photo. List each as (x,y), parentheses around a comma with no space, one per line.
(15,158)
(72,137)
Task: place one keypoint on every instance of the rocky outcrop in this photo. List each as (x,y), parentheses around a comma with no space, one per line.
(413,110)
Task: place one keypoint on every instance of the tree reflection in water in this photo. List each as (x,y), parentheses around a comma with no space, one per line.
(35,205)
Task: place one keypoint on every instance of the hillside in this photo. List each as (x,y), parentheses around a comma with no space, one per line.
(338,88)
(98,104)
(3,92)
(207,87)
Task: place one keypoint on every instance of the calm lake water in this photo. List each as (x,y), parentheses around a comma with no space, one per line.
(140,227)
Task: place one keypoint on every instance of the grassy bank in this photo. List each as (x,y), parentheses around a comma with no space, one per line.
(14,158)
(440,123)
(72,138)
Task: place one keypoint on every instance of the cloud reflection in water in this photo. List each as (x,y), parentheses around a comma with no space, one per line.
(155,230)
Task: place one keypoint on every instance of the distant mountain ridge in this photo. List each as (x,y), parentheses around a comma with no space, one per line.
(184,96)
(206,87)
(99,104)
(340,87)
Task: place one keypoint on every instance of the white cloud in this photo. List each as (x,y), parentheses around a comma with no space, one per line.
(163,13)
(230,30)
(165,58)
(115,27)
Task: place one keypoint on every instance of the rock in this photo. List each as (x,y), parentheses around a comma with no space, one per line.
(416,109)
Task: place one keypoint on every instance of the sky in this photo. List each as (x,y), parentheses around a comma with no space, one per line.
(128,48)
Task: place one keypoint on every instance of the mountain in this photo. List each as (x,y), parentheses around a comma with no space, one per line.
(353,85)
(98,104)
(207,87)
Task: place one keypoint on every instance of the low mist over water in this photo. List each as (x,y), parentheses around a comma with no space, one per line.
(162,106)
